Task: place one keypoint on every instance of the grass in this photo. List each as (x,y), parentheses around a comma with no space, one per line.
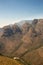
(8,61)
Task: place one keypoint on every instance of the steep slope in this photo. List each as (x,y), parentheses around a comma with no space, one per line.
(25,42)
(1,32)
(32,41)
(34,57)
(11,39)
(25,27)
(8,61)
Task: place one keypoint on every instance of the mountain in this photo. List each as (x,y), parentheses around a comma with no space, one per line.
(24,41)
(10,39)
(25,27)
(1,31)
(20,23)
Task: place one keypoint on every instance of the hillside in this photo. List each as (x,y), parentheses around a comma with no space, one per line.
(8,61)
(25,42)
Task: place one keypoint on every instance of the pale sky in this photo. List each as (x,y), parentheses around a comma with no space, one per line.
(13,11)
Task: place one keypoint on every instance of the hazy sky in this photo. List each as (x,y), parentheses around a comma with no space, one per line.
(12,11)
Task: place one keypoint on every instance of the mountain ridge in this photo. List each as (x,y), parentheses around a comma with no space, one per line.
(24,41)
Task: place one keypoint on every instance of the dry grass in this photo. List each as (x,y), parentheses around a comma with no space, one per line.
(8,61)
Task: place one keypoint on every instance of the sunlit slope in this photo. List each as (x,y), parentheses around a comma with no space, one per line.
(8,61)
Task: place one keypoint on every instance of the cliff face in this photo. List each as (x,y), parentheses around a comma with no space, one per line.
(25,42)
(11,38)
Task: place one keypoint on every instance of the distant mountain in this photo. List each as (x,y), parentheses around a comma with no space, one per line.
(23,22)
(24,41)
(1,31)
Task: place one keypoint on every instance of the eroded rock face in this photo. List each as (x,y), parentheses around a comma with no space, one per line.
(25,42)
(11,38)
(1,32)
(39,26)
(17,29)
(35,21)
(10,31)
(25,27)
(2,47)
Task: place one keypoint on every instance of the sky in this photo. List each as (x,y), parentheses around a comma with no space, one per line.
(13,11)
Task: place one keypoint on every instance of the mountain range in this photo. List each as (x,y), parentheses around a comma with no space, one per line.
(23,40)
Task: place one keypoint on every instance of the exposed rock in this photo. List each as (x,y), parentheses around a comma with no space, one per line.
(25,27)
(25,42)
